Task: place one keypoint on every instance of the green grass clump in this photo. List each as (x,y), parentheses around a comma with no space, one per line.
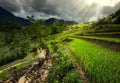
(3,74)
(72,77)
(102,65)
(22,64)
(63,70)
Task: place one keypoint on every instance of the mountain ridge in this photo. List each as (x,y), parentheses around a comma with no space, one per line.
(53,20)
(10,20)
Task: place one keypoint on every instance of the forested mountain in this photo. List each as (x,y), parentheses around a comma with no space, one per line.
(7,19)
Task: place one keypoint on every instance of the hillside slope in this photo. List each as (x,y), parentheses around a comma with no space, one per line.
(110,19)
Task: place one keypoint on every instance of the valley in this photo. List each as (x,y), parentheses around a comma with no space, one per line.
(60,51)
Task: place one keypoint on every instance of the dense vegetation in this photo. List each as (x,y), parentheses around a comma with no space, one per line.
(15,43)
(63,70)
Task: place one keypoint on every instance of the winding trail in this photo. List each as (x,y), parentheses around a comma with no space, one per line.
(80,70)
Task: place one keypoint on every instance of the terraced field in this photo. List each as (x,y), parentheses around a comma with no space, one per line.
(97,54)
(82,56)
(104,34)
(92,61)
(101,64)
(108,39)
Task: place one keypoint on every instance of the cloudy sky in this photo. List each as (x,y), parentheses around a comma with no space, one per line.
(78,10)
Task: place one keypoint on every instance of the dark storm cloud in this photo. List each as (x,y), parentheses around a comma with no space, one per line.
(77,10)
(38,6)
(10,5)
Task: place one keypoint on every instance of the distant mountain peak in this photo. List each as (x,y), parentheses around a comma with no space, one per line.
(53,20)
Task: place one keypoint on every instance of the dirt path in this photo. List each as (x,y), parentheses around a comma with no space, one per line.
(36,72)
(78,67)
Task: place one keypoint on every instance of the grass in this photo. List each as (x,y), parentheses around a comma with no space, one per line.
(63,69)
(116,40)
(22,64)
(3,74)
(101,64)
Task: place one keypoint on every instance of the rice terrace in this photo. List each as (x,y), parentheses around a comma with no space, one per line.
(65,41)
